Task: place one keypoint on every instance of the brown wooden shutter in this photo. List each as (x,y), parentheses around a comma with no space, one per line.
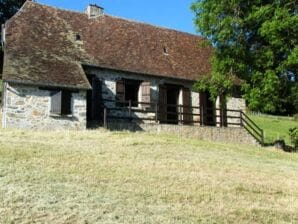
(186,102)
(56,102)
(162,116)
(120,92)
(146,94)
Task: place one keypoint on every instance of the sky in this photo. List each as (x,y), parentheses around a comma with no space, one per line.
(174,14)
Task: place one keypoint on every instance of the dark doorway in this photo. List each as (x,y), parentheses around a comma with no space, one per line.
(207,109)
(172,103)
(94,101)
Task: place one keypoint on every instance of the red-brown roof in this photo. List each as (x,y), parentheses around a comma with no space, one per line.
(41,48)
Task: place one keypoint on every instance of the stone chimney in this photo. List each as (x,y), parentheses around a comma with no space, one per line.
(94,10)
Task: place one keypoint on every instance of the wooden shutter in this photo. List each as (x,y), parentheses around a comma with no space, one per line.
(56,98)
(146,94)
(61,102)
(186,102)
(120,92)
(162,115)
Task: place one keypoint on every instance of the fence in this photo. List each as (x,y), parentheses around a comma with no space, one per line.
(179,114)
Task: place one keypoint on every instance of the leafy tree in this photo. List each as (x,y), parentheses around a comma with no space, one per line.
(256,41)
(7,9)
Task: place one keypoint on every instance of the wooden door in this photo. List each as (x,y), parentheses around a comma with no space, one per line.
(186,109)
(162,111)
(146,94)
(120,93)
(207,109)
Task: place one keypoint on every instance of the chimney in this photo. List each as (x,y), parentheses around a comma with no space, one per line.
(94,10)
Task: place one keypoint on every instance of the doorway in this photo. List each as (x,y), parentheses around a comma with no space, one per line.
(208,112)
(94,100)
(168,103)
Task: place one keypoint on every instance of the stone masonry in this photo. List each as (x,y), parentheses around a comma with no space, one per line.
(29,108)
(234,135)
(109,79)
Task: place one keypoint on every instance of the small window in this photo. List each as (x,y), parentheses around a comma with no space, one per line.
(165,51)
(132,92)
(78,37)
(61,102)
(128,90)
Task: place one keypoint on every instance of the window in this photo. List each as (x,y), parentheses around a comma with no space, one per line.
(127,90)
(78,37)
(165,51)
(61,102)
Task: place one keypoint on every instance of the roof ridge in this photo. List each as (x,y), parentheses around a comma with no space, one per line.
(118,17)
(156,26)
(56,8)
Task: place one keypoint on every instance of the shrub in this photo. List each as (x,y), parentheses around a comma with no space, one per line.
(293,132)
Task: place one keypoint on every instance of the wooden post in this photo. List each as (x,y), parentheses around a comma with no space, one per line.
(156,113)
(129,108)
(105,125)
(262,133)
(179,114)
(241,119)
(202,116)
(221,117)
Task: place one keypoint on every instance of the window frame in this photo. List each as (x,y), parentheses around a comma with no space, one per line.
(64,98)
(121,89)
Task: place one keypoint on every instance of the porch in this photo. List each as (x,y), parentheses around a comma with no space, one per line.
(143,116)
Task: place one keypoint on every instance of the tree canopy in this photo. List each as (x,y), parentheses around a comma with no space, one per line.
(7,9)
(256,41)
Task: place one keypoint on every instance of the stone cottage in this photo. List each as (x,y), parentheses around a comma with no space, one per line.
(64,69)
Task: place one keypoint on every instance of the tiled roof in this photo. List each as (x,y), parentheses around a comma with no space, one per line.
(41,47)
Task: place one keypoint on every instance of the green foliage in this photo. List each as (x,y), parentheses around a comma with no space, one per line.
(217,85)
(293,132)
(256,41)
(7,9)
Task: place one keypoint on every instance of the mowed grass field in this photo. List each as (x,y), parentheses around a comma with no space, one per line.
(119,177)
(275,127)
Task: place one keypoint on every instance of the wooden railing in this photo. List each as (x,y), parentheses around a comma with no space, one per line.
(252,128)
(184,115)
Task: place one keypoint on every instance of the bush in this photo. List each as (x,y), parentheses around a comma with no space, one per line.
(293,132)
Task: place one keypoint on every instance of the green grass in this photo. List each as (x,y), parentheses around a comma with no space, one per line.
(119,177)
(275,127)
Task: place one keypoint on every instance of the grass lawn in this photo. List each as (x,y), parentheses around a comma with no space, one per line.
(119,177)
(275,127)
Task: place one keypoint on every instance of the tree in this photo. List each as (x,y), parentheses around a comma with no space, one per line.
(256,41)
(7,9)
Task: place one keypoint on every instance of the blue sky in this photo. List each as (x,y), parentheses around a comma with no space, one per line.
(175,14)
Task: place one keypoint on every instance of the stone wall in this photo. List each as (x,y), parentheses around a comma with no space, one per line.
(110,77)
(234,135)
(29,108)
(235,103)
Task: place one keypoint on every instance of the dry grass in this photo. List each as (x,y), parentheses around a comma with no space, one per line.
(104,177)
